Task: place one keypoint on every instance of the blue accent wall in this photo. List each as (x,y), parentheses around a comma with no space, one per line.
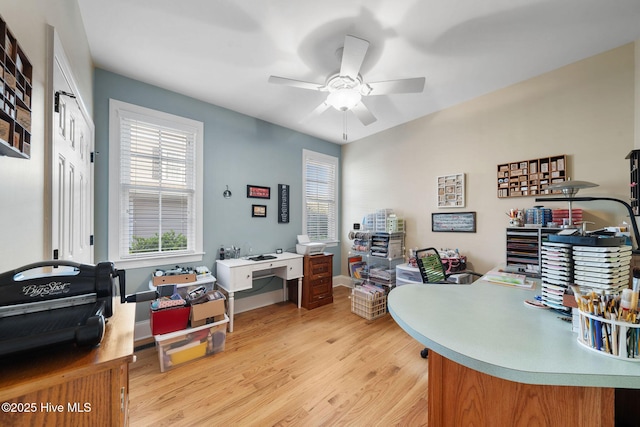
(238,150)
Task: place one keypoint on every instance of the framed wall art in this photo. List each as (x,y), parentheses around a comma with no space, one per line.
(257,192)
(259,211)
(461,222)
(451,191)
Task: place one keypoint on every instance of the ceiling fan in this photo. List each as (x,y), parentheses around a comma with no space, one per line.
(347,88)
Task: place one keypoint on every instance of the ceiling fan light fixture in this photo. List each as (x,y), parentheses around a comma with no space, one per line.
(344,99)
(365,89)
(346,87)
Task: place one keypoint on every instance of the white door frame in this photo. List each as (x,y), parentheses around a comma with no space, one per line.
(56,53)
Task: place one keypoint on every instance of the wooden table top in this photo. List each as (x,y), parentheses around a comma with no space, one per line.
(49,366)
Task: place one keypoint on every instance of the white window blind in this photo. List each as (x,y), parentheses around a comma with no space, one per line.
(158,194)
(320,184)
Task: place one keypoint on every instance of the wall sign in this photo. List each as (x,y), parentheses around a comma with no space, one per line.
(257,192)
(283,203)
(463,222)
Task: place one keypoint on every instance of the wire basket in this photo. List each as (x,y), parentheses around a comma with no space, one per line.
(368,305)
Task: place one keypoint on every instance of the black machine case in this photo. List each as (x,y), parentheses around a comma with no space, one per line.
(55,302)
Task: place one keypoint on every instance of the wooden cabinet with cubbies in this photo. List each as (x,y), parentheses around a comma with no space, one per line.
(15,96)
(531,177)
(634,180)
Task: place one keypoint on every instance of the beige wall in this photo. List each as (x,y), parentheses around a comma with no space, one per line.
(637,95)
(584,110)
(22,199)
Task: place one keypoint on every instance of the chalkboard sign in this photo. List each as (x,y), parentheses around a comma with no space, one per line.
(283,203)
(463,222)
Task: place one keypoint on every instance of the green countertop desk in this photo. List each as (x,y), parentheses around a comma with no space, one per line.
(495,361)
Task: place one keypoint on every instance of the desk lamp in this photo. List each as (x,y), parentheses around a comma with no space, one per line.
(570,189)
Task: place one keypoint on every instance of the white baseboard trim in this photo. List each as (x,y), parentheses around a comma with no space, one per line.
(342,281)
(142,330)
(257,301)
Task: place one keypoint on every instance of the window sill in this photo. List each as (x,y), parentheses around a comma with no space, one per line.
(158,260)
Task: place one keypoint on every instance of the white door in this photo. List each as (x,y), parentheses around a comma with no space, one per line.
(72,169)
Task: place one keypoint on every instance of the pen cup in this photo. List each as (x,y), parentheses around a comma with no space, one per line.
(613,338)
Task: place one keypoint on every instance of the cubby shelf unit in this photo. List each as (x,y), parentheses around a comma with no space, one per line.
(15,96)
(531,177)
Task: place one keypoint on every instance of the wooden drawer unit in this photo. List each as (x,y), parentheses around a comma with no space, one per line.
(317,283)
(318,266)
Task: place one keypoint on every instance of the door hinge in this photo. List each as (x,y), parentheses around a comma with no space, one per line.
(56,101)
(93,156)
(91,240)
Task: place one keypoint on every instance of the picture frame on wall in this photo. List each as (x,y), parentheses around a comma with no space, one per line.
(451,191)
(258,192)
(259,211)
(457,222)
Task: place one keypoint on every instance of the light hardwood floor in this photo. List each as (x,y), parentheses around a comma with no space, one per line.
(290,367)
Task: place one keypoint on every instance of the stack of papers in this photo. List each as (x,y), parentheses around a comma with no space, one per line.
(508,279)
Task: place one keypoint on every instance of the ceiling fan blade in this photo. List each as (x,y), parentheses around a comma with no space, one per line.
(352,56)
(363,114)
(317,111)
(397,86)
(296,83)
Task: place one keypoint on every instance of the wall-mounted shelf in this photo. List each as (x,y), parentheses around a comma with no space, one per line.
(531,177)
(451,191)
(15,96)
(634,180)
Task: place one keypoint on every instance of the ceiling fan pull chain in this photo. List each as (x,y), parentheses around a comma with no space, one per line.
(344,126)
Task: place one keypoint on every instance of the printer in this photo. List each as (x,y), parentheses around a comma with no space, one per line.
(306,247)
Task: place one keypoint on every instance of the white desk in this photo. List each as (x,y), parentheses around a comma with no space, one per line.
(238,274)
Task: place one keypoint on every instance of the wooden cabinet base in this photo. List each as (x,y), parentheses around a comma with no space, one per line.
(460,396)
(317,283)
(98,399)
(68,386)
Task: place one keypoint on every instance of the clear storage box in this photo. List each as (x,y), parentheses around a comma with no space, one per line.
(395,224)
(183,346)
(381,216)
(407,274)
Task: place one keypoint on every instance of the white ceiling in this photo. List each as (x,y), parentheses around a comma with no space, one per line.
(223,51)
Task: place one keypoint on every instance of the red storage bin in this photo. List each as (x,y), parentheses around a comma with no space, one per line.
(169,319)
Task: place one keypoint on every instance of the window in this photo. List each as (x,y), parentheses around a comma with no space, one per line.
(155,191)
(320,198)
